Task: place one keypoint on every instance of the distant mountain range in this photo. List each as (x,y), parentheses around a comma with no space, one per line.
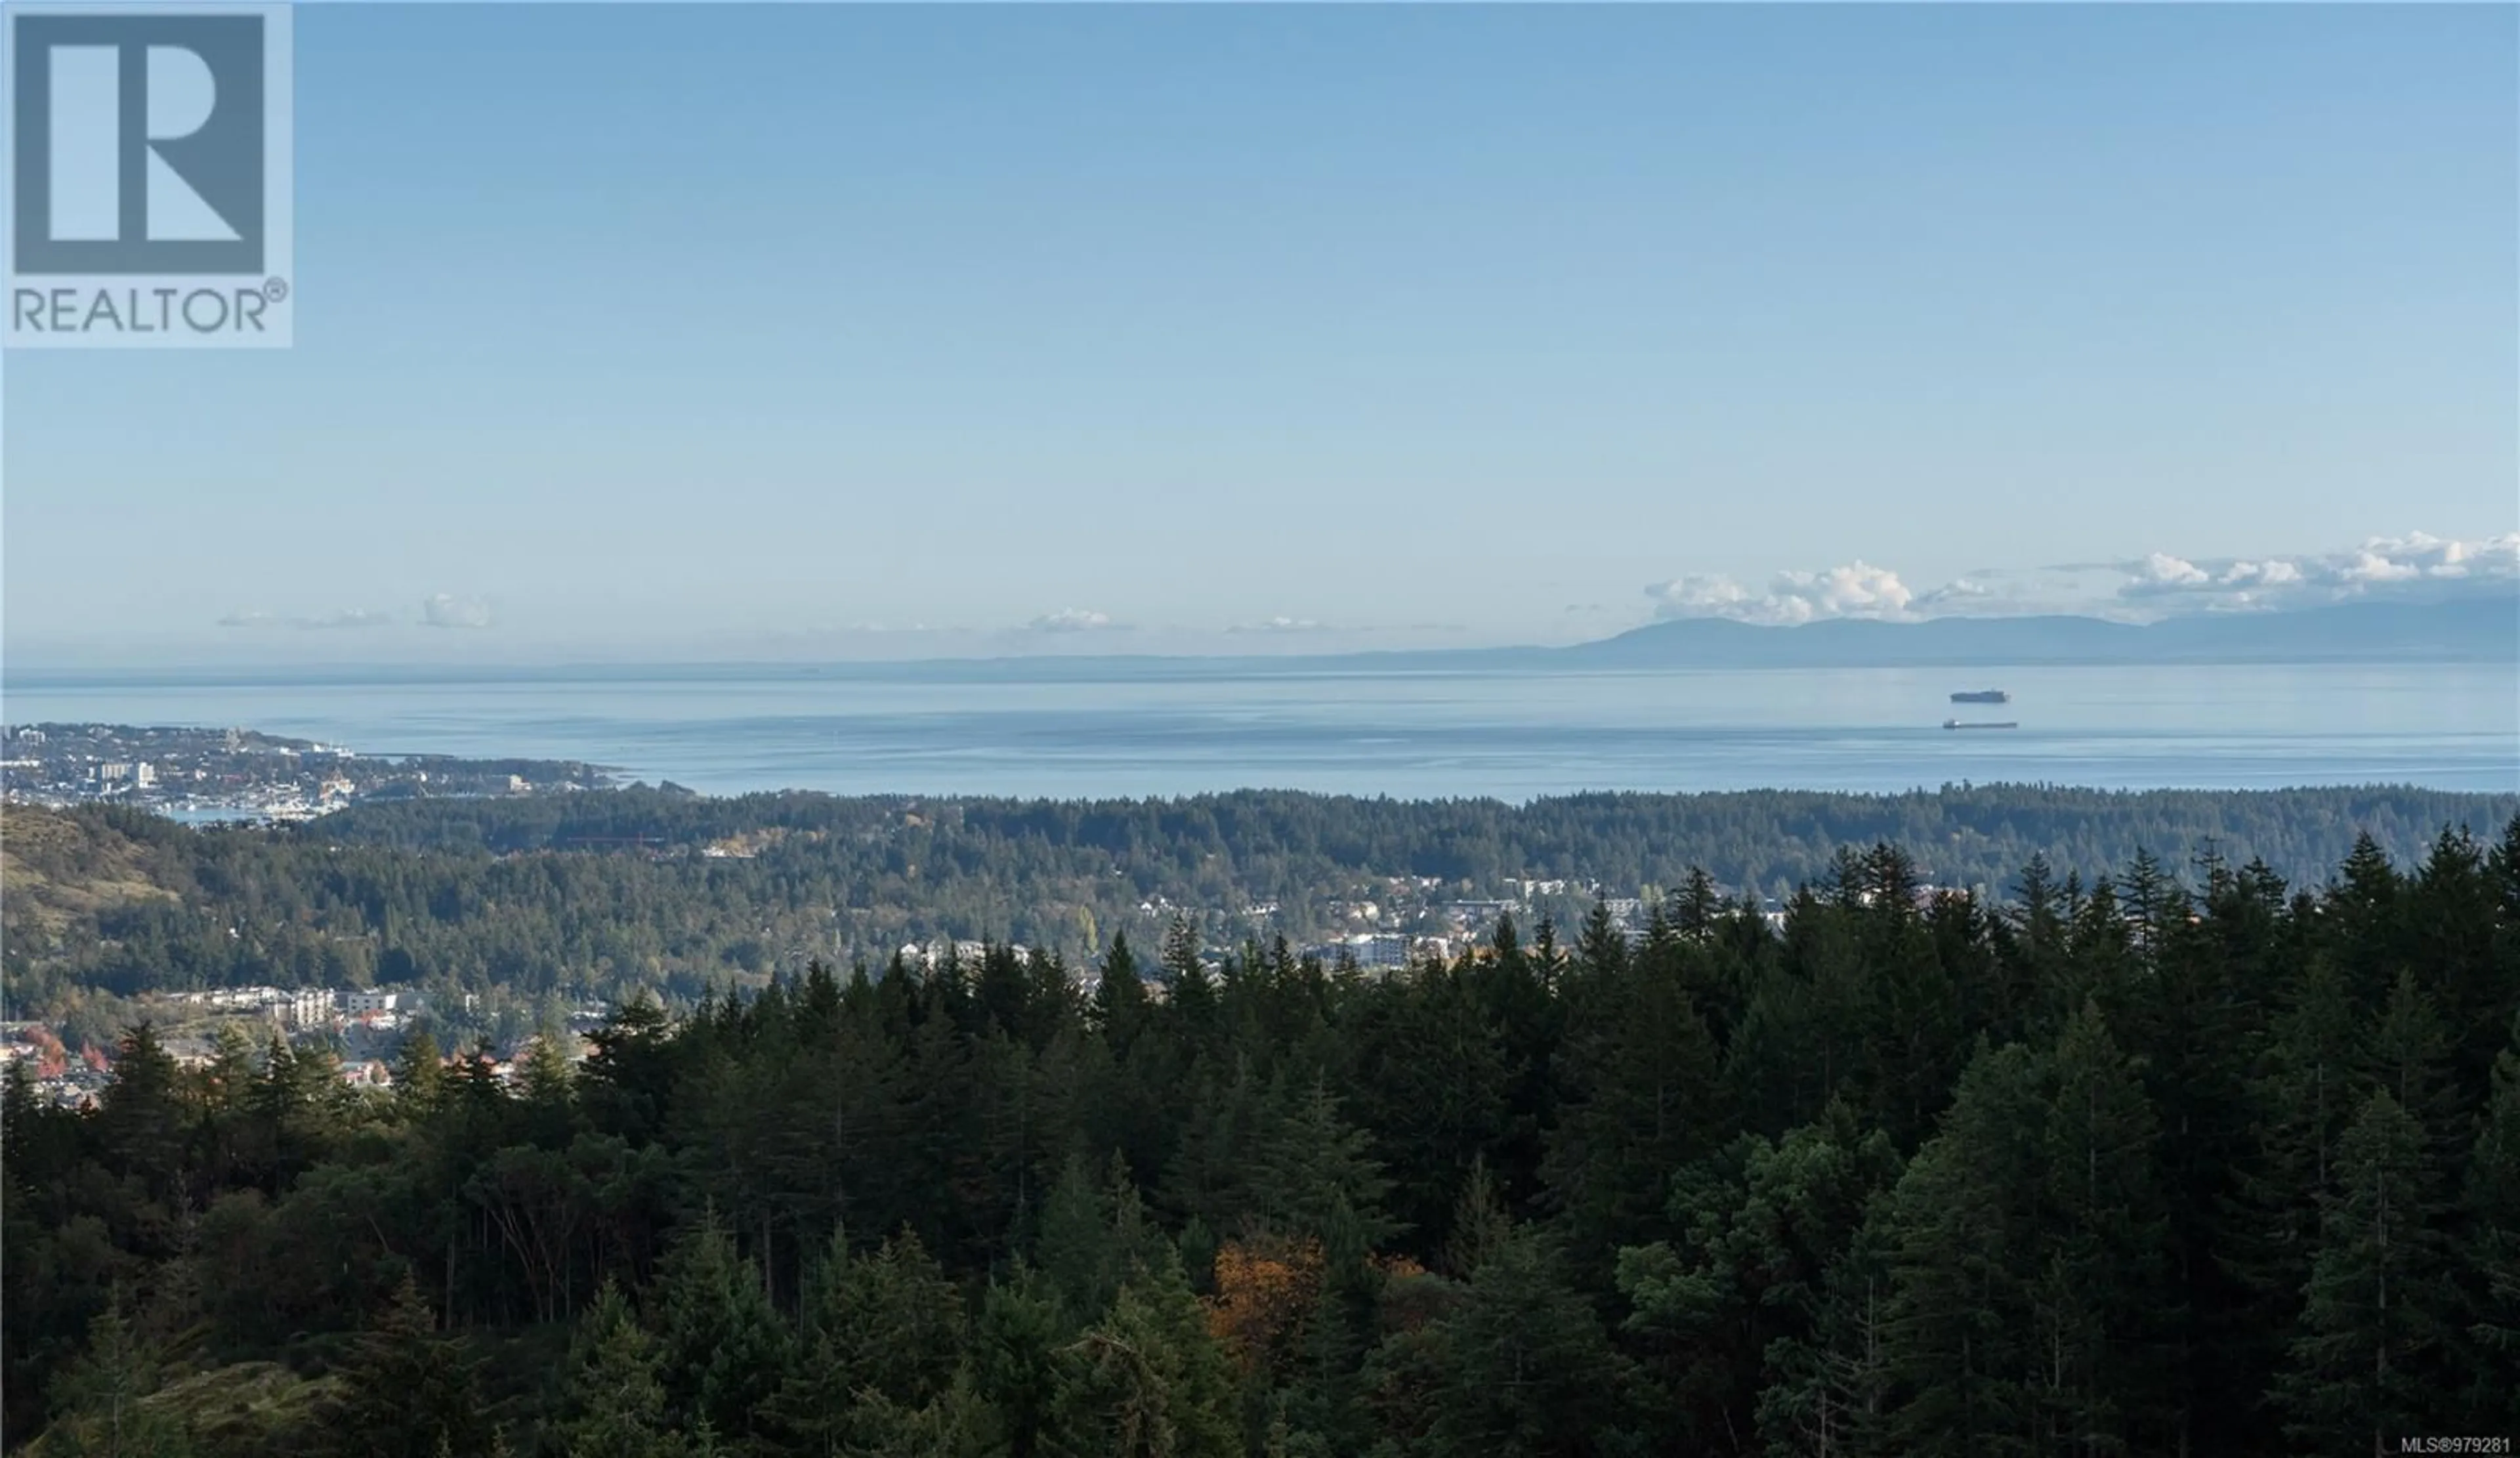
(2474,629)
(2469,630)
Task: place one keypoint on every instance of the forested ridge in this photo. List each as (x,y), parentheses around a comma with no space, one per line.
(606,893)
(2150,1162)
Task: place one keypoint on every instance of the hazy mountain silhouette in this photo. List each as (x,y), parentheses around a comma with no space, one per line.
(2466,630)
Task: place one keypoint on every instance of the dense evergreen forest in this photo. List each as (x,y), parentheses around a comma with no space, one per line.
(607,894)
(2143,1164)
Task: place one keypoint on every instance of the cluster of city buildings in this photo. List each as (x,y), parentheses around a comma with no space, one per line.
(1380,951)
(188,1022)
(55,1075)
(307,1009)
(927,956)
(204,775)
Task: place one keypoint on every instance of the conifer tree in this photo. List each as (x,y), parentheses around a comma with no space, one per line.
(1075,1251)
(1222,1131)
(419,1073)
(1191,996)
(1776,1068)
(1827,1393)
(1429,1077)
(1310,1164)
(889,1324)
(1148,1381)
(1600,947)
(721,1347)
(1697,905)
(407,1391)
(614,1405)
(1548,956)
(2490,1343)
(2451,935)
(1120,997)
(2302,1098)
(1480,1226)
(1966,1264)
(1017,1341)
(1643,1098)
(141,1117)
(2188,1018)
(2368,1358)
(2364,914)
(628,1080)
(1910,1010)
(1531,1371)
(956,1423)
(2411,1053)
(102,1399)
(2104,1293)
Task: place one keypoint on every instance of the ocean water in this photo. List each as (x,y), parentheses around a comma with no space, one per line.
(1151,730)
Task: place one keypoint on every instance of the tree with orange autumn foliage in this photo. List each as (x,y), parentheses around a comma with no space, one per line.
(1265,1289)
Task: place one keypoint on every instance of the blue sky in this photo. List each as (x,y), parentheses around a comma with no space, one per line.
(876,330)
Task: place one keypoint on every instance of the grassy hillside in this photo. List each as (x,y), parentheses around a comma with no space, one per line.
(58,871)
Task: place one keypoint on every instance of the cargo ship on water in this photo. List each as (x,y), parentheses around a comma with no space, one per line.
(1981,696)
(1955,724)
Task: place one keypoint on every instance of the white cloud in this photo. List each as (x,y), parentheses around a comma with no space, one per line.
(445,610)
(1280,625)
(2371,566)
(2160,571)
(1986,592)
(340,617)
(1857,589)
(1073,620)
(2267,574)
(1699,595)
(346,617)
(2494,557)
(2414,565)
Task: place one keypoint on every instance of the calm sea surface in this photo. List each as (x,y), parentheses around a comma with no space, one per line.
(1407,735)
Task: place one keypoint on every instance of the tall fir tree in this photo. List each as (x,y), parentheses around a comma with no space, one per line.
(2489,1345)
(721,1347)
(407,1390)
(2367,1358)
(614,1405)
(885,1326)
(1531,1372)
(1966,1259)
(2107,1298)
(1146,1381)
(103,1400)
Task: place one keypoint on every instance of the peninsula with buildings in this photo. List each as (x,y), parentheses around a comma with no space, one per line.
(210,774)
